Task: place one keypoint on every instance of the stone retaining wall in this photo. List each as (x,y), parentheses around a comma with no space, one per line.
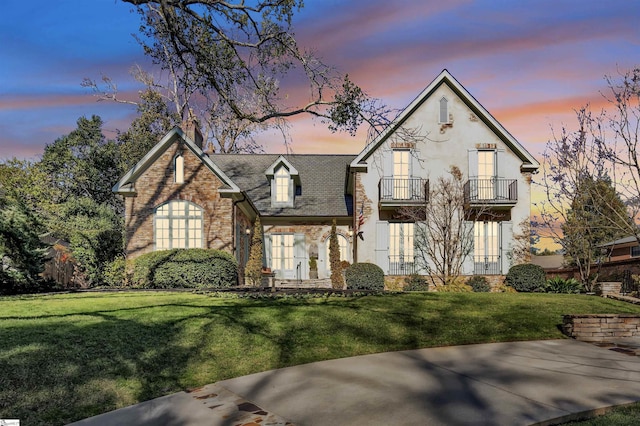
(601,327)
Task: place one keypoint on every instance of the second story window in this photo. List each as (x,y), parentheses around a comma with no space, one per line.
(401,174)
(282,184)
(486,174)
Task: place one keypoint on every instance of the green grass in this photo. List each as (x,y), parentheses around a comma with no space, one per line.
(628,415)
(66,357)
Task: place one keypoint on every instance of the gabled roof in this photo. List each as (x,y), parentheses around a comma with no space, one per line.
(281,161)
(126,185)
(529,163)
(322,181)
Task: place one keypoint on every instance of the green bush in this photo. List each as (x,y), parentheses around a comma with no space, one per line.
(185,268)
(114,272)
(416,282)
(526,277)
(365,276)
(561,285)
(479,284)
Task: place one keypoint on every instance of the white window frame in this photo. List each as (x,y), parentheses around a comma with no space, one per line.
(401,243)
(282,252)
(487,174)
(282,188)
(178,224)
(401,173)
(486,243)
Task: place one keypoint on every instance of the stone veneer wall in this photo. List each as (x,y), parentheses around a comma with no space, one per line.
(397,282)
(156,186)
(601,327)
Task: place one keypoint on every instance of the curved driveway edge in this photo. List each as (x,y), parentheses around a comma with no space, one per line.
(515,383)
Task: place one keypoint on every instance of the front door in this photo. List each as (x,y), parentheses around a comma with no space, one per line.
(282,256)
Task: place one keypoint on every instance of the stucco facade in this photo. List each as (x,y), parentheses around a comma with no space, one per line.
(298,196)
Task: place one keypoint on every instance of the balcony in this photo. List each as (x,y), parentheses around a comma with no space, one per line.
(487,265)
(494,192)
(398,192)
(402,265)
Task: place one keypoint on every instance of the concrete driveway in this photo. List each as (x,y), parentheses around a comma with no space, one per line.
(519,383)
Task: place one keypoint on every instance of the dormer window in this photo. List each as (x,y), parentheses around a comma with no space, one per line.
(444,110)
(178,168)
(285,183)
(282,186)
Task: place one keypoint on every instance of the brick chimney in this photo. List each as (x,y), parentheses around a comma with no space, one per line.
(191,128)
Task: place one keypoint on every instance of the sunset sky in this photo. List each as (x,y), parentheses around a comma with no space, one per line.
(530,63)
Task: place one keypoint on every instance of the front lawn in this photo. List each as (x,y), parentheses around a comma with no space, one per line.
(66,357)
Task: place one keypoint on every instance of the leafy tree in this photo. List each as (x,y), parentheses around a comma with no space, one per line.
(27,181)
(253,269)
(337,280)
(83,164)
(153,122)
(94,232)
(239,53)
(21,251)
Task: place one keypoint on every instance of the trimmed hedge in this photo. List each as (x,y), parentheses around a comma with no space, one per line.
(364,276)
(526,277)
(185,268)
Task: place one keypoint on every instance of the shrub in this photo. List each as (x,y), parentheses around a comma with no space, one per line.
(503,288)
(253,268)
(526,277)
(114,272)
(479,284)
(455,286)
(185,268)
(416,282)
(365,276)
(561,285)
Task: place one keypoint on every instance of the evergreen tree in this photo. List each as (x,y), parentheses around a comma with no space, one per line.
(253,269)
(597,216)
(337,280)
(21,251)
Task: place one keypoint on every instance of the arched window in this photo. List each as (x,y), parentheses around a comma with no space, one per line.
(444,110)
(178,168)
(178,224)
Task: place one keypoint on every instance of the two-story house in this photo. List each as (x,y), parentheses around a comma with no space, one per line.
(178,197)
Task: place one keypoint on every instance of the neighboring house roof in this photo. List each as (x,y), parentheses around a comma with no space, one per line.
(126,185)
(553,261)
(322,180)
(529,163)
(621,241)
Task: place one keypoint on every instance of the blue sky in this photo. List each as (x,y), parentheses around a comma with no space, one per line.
(530,63)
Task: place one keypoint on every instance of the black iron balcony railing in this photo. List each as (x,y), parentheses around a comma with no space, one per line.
(491,191)
(487,265)
(402,265)
(398,190)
